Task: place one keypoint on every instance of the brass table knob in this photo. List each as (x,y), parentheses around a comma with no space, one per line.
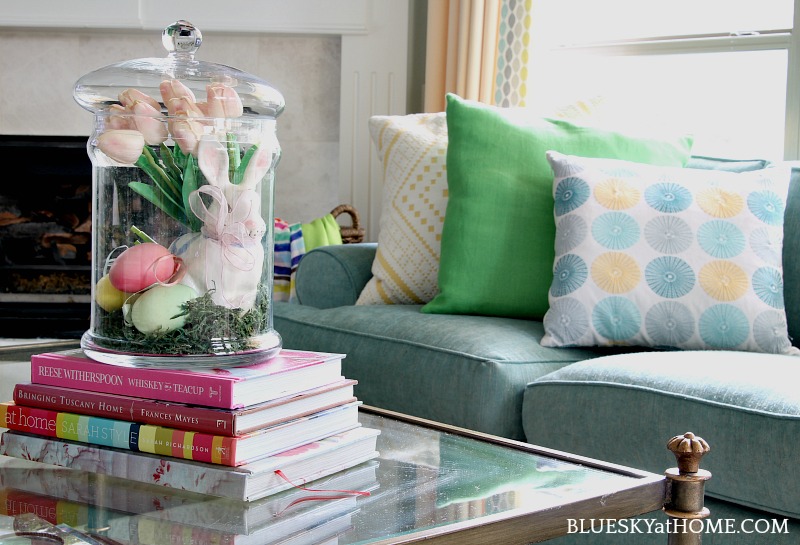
(688,450)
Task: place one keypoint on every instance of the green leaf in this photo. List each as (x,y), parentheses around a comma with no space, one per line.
(179,157)
(238,174)
(169,161)
(147,162)
(155,196)
(190,185)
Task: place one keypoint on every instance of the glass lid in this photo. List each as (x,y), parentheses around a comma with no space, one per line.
(166,79)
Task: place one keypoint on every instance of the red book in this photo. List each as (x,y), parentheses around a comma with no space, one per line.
(290,372)
(231,422)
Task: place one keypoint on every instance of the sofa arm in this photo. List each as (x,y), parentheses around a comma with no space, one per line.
(333,276)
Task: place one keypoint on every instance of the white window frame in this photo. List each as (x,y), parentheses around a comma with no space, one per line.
(781,39)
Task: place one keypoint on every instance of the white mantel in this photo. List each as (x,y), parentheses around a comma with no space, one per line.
(374,57)
(265,16)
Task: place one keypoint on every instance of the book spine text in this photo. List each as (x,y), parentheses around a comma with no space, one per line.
(145,411)
(120,434)
(73,372)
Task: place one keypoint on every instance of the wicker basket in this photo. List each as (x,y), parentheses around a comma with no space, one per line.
(353,233)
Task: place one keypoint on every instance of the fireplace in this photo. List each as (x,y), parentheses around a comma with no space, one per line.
(45,236)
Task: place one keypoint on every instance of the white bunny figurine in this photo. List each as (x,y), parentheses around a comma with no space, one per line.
(227,255)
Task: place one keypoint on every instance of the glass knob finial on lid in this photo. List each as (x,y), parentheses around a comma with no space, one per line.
(182,38)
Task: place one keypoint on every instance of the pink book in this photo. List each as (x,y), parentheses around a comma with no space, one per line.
(289,372)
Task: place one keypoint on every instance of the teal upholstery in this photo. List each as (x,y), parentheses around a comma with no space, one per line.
(333,276)
(468,371)
(623,407)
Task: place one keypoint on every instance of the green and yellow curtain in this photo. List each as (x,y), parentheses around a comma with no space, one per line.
(477,49)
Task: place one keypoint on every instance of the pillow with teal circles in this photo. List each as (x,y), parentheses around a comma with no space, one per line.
(667,257)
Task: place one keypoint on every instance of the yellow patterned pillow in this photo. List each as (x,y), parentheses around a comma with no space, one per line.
(412,149)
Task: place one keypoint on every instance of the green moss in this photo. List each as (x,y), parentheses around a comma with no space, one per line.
(209,329)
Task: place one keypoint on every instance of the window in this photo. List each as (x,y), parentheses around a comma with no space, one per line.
(720,70)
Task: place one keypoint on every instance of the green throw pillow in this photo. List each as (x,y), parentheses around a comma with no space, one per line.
(499,231)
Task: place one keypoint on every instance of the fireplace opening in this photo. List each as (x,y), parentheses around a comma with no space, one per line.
(45,236)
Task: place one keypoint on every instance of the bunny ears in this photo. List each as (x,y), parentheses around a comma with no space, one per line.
(214,163)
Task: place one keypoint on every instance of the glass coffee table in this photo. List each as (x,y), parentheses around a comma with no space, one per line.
(431,483)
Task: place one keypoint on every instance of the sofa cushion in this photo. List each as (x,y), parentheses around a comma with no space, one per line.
(412,149)
(497,238)
(624,408)
(667,257)
(468,371)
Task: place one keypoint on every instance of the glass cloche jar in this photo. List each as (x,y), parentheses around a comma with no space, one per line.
(183,155)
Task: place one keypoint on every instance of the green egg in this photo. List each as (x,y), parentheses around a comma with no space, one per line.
(155,309)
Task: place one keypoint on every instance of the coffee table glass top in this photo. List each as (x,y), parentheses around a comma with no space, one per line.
(431,482)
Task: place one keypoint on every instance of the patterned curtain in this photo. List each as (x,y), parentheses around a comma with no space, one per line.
(510,88)
(478,50)
(461,53)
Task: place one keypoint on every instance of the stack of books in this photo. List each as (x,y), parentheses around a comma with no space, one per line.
(242,432)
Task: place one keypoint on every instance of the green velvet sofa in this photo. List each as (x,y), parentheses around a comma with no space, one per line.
(616,404)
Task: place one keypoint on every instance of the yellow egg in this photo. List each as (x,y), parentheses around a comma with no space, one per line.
(107,296)
(158,309)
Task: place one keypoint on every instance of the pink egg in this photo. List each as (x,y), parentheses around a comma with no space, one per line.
(141,266)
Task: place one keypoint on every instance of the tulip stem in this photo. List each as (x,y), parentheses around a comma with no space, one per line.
(234,156)
(141,234)
(189,187)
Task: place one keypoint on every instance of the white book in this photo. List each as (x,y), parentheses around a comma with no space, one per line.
(248,482)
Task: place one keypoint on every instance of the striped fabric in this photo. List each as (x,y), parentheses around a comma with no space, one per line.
(289,249)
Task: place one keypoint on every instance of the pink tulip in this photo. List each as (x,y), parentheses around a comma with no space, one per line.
(149,122)
(203,107)
(223,101)
(129,98)
(119,118)
(123,146)
(186,132)
(171,89)
(184,107)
